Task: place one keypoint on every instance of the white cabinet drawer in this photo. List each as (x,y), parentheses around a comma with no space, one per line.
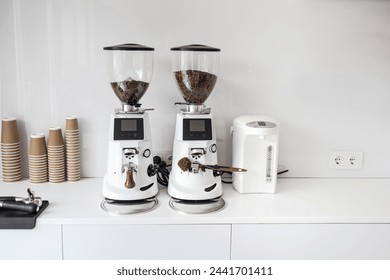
(41,243)
(146,241)
(311,241)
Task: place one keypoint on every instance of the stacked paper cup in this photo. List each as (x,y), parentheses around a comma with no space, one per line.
(37,159)
(10,151)
(72,139)
(56,155)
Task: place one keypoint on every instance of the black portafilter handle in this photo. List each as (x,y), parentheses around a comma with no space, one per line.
(19,206)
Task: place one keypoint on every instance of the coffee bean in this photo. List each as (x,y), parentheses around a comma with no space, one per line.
(129,91)
(195,85)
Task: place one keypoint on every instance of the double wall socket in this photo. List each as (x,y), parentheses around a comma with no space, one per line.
(346,160)
(165,156)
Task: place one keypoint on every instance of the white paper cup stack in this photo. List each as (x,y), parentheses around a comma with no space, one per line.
(56,155)
(37,159)
(10,151)
(72,140)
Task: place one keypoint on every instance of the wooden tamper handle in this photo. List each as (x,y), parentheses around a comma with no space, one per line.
(129,183)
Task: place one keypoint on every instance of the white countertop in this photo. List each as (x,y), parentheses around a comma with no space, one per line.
(296,201)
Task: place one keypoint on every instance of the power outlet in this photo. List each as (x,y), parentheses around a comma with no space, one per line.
(165,156)
(168,158)
(346,160)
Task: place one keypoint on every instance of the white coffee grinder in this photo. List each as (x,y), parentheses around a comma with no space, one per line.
(194,187)
(130,185)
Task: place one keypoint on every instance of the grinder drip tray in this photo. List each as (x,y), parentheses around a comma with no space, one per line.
(122,207)
(197,206)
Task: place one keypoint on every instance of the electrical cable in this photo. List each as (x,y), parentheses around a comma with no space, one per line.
(161,171)
(284,171)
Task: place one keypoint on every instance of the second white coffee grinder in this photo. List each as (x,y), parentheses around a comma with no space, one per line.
(193,186)
(130,184)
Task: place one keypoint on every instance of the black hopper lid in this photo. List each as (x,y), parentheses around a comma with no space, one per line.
(128,47)
(196,48)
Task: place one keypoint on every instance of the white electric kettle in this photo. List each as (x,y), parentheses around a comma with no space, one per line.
(255,148)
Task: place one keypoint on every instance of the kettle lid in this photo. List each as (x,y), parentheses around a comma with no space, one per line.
(261,124)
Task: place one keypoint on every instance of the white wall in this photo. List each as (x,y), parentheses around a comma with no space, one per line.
(321,67)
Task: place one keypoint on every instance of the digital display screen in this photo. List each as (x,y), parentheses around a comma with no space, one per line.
(197,129)
(197,125)
(129,125)
(128,129)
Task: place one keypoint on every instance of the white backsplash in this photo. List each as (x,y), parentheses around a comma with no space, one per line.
(320,67)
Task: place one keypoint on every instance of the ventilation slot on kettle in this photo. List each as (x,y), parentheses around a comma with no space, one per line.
(268,177)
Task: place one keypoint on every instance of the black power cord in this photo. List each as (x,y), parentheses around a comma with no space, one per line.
(161,169)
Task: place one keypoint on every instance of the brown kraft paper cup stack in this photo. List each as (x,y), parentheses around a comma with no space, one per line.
(38,144)
(9,131)
(73,153)
(37,159)
(56,155)
(72,124)
(10,151)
